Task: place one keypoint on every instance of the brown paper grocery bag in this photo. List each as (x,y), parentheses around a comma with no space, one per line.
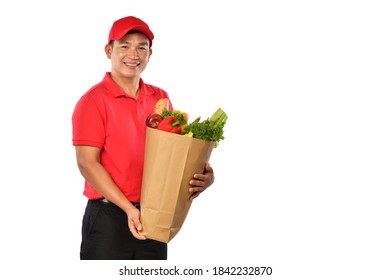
(171,160)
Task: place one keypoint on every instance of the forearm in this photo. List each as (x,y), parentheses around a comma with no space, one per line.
(88,161)
(100,179)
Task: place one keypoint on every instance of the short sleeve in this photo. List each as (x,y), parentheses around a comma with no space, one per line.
(88,126)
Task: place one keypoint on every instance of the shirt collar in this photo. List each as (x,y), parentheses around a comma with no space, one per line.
(117,91)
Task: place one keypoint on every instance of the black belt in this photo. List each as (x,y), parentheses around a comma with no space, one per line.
(105,200)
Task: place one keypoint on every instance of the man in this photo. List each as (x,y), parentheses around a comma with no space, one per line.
(109,136)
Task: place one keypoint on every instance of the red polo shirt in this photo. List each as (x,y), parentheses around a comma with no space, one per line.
(107,118)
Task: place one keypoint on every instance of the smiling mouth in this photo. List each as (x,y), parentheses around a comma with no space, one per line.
(131,64)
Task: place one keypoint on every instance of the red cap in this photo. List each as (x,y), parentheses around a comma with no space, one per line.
(126,24)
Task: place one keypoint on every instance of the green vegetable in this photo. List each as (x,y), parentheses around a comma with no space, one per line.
(211,129)
(177,114)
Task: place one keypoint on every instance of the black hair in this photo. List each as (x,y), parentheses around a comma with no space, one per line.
(136,31)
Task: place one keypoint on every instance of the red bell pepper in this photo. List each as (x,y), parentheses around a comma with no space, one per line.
(170,124)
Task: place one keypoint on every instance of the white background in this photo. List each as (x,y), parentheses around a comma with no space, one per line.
(302,177)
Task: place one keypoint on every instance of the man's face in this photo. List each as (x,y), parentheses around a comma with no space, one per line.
(129,55)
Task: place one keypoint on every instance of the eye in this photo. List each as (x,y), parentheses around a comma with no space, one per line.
(123,47)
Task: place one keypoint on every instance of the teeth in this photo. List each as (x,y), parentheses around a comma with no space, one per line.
(131,64)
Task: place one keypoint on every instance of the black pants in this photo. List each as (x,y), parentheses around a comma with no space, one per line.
(106,236)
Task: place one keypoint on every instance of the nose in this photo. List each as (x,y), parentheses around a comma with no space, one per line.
(133,53)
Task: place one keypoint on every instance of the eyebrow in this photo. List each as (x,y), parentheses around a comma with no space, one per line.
(128,43)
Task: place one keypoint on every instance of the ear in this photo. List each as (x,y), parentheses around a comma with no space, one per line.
(108,50)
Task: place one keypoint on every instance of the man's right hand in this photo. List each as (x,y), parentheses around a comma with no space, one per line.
(135,226)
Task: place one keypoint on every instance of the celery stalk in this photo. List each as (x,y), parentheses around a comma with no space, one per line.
(211,129)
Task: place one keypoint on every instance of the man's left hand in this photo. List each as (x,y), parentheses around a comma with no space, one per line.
(201,182)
